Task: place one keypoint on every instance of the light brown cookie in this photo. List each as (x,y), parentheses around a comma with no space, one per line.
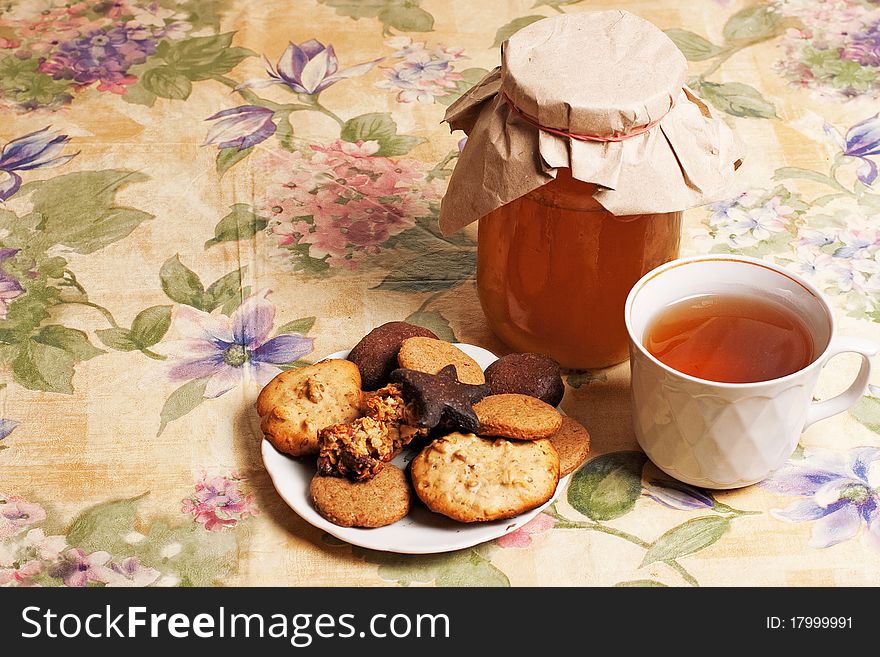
(517,416)
(572,443)
(296,404)
(471,479)
(431,356)
(380,501)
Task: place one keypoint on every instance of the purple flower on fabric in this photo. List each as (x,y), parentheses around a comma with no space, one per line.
(7,427)
(36,150)
(78,568)
(101,55)
(838,491)
(240,127)
(130,572)
(308,68)
(862,140)
(677,495)
(227,350)
(10,288)
(864,48)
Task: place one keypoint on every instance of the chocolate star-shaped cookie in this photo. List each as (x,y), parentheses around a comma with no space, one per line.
(441,397)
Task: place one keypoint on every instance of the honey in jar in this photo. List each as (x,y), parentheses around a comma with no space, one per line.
(554,268)
(584,147)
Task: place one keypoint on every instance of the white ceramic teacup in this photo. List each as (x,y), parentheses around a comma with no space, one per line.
(727,435)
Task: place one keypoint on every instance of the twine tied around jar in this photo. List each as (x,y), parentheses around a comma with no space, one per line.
(573,135)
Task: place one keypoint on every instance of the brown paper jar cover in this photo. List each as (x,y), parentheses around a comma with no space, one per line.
(604,75)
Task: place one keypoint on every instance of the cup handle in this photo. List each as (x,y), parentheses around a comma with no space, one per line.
(843,401)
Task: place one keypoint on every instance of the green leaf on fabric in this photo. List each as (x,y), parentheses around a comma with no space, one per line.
(440,270)
(223,290)
(867,411)
(785,173)
(469,567)
(235,301)
(694,47)
(403,15)
(300,326)
(229,157)
(119,339)
(738,99)
(182,401)
(406,17)
(508,29)
(74,342)
(471,77)
(41,366)
(78,211)
(752,24)
(635,583)
(607,486)
(26,312)
(380,127)
(433,321)
(689,537)
(241,223)
(150,325)
(103,526)
(181,283)
(198,52)
(136,94)
(167,82)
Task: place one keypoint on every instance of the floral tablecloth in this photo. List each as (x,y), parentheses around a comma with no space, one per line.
(197,194)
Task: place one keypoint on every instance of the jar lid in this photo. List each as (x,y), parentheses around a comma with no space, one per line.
(597,74)
(601,94)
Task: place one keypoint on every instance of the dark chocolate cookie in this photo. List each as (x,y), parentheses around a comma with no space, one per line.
(376,353)
(535,375)
(441,398)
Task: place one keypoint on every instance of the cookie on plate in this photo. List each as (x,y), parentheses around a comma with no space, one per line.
(296,404)
(376,353)
(474,479)
(359,449)
(382,500)
(572,443)
(440,399)
(535,375)
(431,355)
(517,416)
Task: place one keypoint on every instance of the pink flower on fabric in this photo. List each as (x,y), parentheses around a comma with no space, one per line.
(522,537)
(218,503)
(17,513)
(342,204)
(228,350)
(77,568)
(21,574)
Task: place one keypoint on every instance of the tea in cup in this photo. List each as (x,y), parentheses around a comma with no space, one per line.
(725,353)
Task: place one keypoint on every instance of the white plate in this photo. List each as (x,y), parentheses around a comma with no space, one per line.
(420,532)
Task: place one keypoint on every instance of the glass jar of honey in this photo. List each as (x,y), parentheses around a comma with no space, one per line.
(584,147)
(554,268)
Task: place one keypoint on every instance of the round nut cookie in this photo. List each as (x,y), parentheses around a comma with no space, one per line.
(474,479)
(431,355)
(376,353)
(296,404)
(517,416)
(380,501)
(535,375)
(572,443)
